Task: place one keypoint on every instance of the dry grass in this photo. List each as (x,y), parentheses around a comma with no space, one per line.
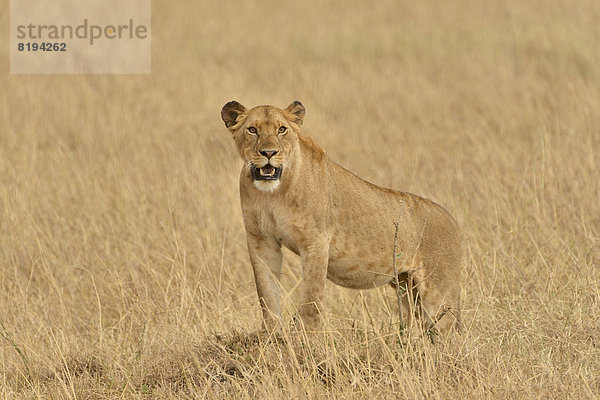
(123,268)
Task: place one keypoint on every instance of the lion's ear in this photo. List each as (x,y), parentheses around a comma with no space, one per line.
(297,110)
(231,111)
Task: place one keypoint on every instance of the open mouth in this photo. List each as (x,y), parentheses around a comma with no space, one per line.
(266,173)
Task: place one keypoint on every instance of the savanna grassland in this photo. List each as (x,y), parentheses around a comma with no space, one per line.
(123,263)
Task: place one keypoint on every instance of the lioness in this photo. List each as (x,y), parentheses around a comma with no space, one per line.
(341,226)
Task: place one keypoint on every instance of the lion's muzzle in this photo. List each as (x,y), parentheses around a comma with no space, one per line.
(266,173)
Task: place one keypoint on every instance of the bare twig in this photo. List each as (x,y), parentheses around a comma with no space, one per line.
(399,292)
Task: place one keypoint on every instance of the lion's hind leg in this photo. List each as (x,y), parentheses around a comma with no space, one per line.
(436,306)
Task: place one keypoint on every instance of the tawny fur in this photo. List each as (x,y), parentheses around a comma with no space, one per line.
(340,225)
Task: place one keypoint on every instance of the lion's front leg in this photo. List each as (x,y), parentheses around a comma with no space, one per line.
(265,256)
(314,265)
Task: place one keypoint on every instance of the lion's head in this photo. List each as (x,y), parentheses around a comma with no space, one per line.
(267,139)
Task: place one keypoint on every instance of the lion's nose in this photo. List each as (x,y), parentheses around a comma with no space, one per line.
(268,153)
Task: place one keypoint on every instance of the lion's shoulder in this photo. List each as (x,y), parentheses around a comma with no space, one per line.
(312,147)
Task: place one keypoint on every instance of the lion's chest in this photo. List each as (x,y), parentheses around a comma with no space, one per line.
(291,231)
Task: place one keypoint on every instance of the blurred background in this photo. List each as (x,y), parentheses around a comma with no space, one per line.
(122,246)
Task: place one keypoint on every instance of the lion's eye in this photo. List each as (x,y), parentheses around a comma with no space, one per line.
(282,130)
(252,130)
